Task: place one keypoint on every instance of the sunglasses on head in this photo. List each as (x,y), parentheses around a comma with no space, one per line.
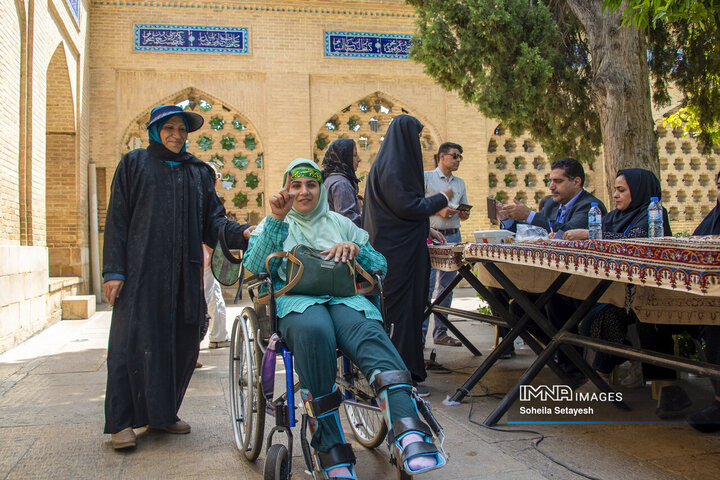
(455,155)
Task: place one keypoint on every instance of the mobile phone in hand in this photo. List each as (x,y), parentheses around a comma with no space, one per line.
(492,208)
(463,207)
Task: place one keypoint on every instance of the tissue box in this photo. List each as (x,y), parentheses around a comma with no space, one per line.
(492,236)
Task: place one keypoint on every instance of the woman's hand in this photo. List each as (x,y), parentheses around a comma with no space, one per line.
(248,231)
(342,252)
(576,234)
(111,290)
(436,236)
(282,202)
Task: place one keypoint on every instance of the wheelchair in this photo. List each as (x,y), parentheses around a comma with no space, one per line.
(250,333)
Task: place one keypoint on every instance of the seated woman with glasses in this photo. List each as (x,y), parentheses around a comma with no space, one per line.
(314,327)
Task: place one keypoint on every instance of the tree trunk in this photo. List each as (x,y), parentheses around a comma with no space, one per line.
(620,89)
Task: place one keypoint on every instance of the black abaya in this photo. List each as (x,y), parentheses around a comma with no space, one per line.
(396,214)
(158,217)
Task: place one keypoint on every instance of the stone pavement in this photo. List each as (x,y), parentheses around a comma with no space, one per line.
(51,419)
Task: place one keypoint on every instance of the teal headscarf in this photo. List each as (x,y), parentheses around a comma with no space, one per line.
(154,129)
(319,228)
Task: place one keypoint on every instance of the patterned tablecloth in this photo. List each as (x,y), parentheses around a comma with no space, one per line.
(664,270)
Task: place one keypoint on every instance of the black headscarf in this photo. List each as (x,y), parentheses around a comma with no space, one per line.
(339,160)
(398,164)
(711,223)
(643,184)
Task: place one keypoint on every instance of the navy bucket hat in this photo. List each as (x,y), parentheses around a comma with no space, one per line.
(194,121)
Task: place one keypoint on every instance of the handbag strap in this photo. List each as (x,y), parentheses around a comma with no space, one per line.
(223,244)
(265,299)
(354,268)
(367,277)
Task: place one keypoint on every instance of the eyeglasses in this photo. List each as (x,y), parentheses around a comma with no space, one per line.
(455,155)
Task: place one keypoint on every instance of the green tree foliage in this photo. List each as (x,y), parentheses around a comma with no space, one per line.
(527,63)
(684,39)
(644,12)
(523,62)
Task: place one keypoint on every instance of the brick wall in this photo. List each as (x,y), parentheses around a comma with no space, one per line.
(9,125)
(286,87)
(43,161)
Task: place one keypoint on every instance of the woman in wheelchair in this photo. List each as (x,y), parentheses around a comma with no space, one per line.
(314,327)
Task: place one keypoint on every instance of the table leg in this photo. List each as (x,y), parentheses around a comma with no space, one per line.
(441,296)
(545,324)
(550,350)
(518,328)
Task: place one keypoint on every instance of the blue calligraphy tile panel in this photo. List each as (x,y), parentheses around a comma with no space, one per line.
(190,38)
(367,45)
(74,8)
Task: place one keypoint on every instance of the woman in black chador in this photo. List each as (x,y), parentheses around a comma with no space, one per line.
(396,215)
(163,207)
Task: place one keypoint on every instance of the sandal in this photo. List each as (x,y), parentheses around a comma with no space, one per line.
(340,455)
(401,428)
(448,341)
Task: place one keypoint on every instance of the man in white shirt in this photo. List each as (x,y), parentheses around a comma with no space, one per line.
(447,222)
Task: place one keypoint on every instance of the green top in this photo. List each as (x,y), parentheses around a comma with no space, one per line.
(272,238)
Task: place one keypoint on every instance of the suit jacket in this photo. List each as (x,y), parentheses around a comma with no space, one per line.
(577,216)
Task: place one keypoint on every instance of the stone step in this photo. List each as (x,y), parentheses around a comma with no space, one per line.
(78,307)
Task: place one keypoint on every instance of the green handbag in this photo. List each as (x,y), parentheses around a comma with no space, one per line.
(225,266)
(309,273)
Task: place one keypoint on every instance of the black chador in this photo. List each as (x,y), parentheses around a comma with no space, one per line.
(396,214)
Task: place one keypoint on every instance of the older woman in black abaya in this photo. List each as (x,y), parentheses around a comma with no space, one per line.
(396,215)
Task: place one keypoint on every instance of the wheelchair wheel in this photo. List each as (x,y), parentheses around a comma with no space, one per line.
(277,463)
(363,413)
(246,398)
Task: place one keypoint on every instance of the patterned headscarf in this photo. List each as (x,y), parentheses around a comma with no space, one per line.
(339,160)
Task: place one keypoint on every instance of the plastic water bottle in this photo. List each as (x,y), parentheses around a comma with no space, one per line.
(594,222)
(655,218)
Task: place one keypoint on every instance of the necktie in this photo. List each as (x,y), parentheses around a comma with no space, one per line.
(561,214)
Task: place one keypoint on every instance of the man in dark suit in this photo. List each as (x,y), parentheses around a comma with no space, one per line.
(568,208)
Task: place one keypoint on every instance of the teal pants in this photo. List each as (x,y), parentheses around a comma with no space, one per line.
(314,336)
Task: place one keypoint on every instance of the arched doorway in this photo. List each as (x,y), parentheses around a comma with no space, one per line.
(366,122)
(228,141)
(63,213)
